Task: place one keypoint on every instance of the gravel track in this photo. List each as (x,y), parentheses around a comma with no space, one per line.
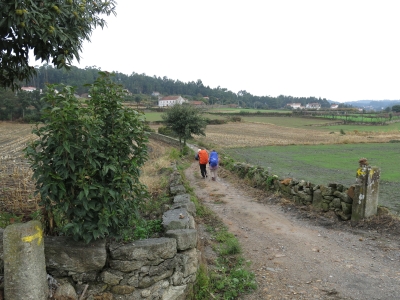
(297,254)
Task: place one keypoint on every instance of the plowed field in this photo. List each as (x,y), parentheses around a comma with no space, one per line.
(233,135)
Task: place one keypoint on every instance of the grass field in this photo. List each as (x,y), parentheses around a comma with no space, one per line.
(319,124)
(323,164)
(156,116)
(323,155)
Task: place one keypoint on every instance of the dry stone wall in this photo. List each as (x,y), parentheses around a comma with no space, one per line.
(158,268)
(330,197)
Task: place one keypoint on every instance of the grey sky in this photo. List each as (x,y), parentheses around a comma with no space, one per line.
(339,50)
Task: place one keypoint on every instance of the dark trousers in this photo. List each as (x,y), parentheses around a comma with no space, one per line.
(203,170)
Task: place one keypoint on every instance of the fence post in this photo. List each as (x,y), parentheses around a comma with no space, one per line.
(366,191)
(25,274)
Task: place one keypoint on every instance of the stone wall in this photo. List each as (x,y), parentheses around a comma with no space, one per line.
(165,139)
(330,197)
(158,268)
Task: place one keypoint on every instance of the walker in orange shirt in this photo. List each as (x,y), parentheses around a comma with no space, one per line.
(203,160)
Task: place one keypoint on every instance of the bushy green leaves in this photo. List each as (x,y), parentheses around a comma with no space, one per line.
(185,120)
(87,160)
(53,29)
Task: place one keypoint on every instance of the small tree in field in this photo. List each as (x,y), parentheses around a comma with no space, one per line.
(87,159)
(185,120)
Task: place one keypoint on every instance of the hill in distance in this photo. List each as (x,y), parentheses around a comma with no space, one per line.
(372,104)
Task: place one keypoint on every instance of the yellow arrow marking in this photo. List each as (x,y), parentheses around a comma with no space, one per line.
(360,172)
(38,235)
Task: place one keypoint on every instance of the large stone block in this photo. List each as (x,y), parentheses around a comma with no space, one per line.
(343,196)
(176,219)
(25,274)
(317,199)
(150,249)
(177,189)
(185,238)
(182,198)
(65,254)
(326,191)
(189,206)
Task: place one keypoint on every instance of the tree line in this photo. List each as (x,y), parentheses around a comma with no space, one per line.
(22,105)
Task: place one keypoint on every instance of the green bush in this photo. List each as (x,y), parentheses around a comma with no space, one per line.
(166,131)
(86,161)
(215,121)
(234,119)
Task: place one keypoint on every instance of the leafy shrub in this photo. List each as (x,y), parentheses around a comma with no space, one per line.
(215,121)
(86,161)
(166,131)
(234,119)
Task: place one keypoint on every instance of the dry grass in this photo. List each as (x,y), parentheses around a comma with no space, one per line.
(234,135)
(158,161)
(16,186)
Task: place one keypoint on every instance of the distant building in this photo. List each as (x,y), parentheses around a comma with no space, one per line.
(313,106)
(155,94)
(334,106)
(28,88)
(295,105)
(171,101)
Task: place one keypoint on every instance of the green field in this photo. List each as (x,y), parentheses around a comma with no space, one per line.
(156,116)
(322,164)
(318,124)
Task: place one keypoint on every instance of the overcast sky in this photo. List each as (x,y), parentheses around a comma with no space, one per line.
(341,50)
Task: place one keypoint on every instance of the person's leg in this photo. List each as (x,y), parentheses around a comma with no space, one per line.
(203,170)
(212,172)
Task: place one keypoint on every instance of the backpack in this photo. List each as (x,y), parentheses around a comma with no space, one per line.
(213,159)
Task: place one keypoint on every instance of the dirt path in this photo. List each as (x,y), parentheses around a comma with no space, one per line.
(295,258)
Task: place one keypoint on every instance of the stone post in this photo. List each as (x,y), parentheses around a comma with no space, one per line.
(25,274)
(366,190)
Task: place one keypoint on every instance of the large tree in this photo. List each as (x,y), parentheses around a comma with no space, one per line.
(184,120)
(396,108)
(53,29)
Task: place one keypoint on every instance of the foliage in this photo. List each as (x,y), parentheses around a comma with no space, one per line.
(202,287)
(87,160)
(229,244)
(231,283)
(144,85)
(215,121)
(396,108)
(54,30)
(8,218)
(166,131)
(342,131)
(144,229)
(20,106)
(185,120)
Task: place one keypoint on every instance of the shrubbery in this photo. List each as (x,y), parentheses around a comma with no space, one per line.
(87,160)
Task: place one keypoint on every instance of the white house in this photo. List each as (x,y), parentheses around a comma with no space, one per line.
(171,100)
(313,105)
(28,88)
(334,106)
(295,105)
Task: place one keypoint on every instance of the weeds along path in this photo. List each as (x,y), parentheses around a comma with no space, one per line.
(294,258)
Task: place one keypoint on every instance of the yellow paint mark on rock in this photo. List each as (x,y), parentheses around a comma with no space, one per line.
(360,172)
(38,235)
